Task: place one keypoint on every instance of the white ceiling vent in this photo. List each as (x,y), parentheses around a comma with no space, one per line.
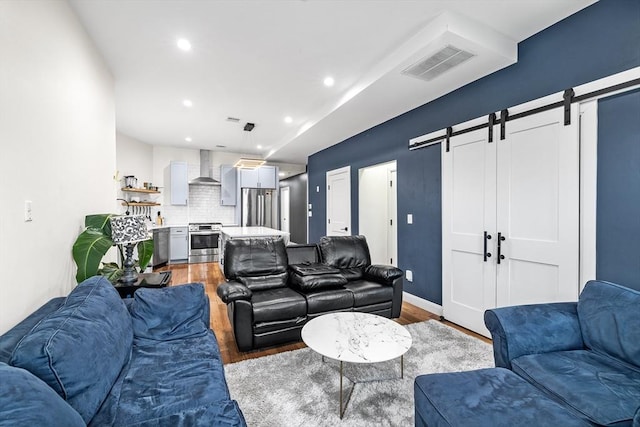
(440,62)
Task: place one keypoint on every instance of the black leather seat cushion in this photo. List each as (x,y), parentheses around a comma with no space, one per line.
(368,293)
(254,257)
(310,269)
(318,281)
(278,304)
(329,300)
(260,283)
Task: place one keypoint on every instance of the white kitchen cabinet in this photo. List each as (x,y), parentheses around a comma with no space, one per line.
(178,244)
(228,185)
(179,183)
(262,177)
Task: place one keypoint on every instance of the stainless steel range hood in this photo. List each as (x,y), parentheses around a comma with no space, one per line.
(205,171)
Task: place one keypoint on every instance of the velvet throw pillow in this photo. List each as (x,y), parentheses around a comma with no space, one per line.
(25,400)
(171,313)
(80,349)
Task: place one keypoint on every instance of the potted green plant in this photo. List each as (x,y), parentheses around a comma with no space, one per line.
(94,242)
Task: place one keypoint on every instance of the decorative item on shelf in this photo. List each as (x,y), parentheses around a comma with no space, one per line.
(127,230)
(130,181)
(95,241)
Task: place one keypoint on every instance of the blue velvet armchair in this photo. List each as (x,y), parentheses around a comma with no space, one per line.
(560,364)
(585,354)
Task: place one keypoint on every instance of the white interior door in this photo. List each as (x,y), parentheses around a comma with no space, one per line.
(284,209)
(339,202)
(538,210)
(392,209)
(468,211)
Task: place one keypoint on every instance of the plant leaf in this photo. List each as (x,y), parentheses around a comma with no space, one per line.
(145,252)
(89,248)
(99,222)
(111,271)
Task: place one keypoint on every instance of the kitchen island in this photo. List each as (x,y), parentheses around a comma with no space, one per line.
(228,233)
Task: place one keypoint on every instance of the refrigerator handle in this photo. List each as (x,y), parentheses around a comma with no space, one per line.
(260,208)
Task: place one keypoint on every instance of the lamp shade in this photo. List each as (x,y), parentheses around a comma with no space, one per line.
(128,229)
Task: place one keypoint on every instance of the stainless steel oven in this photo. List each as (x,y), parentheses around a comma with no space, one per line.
(204,242)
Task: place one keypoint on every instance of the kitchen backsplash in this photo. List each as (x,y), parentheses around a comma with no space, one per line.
(204,204)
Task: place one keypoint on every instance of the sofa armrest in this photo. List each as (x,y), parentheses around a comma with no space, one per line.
(174,312)
(233,291)
(382,273)
(636,419)
(533,329)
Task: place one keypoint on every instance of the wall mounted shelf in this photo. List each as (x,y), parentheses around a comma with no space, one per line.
(140,190)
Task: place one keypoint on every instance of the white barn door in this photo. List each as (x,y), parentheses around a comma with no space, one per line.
(510,217)
(538,210)
(468,211)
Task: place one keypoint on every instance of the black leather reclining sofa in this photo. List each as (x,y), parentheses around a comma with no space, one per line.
(272,290)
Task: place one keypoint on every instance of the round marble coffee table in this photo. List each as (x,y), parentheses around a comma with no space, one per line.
(356,338)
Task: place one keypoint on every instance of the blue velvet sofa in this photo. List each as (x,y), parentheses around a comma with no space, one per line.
(94,359)
(556,364)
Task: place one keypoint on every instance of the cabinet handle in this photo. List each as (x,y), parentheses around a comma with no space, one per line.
(487,237)
(501,239)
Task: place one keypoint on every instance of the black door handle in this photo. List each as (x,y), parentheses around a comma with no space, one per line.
(487,237)
(345,229)
(501,239)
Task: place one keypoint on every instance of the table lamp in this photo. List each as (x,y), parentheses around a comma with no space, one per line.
(128,230)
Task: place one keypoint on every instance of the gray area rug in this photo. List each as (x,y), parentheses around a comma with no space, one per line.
(297,388)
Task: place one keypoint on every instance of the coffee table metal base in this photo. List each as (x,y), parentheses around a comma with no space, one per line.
(345,401)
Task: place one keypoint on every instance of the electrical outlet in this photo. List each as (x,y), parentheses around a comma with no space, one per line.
(409,275)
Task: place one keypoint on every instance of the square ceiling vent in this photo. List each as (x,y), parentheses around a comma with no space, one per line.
(437,64)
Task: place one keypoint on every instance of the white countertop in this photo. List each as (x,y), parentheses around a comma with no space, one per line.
(237,232)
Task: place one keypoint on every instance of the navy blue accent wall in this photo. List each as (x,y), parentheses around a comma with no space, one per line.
(598,41)
(618,220)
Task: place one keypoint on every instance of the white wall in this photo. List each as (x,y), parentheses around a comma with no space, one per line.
(57,141)
(135,158)
(373,218)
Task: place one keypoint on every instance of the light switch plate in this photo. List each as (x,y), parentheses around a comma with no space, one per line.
(409,275)
(409,218)
(28,215)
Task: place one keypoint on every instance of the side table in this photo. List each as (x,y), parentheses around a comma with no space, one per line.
(145,280)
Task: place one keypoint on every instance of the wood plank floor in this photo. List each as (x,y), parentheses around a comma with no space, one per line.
(211,275)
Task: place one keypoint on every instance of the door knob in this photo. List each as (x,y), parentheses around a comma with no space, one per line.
(345,229)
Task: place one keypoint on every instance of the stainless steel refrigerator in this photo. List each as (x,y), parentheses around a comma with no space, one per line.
(259,207)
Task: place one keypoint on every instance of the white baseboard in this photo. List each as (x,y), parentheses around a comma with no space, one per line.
(422,303)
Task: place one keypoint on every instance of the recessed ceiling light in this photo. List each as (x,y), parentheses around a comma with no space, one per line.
(188,139)
(328,81)
(184,44)
(187,103)
(288,119)
(259,147)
